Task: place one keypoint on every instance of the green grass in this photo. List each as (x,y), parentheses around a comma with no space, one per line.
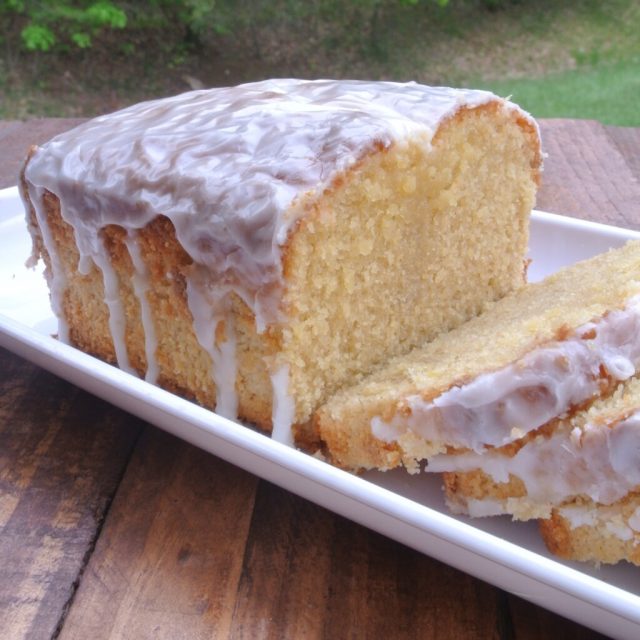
(609,93)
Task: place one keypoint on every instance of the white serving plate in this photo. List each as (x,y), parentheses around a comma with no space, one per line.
(409,509)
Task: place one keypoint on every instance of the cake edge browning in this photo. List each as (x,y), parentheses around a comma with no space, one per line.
(607,536)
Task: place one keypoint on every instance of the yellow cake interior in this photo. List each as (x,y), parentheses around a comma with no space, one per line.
(515,325)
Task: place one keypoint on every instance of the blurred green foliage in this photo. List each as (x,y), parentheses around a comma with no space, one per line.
(49,24)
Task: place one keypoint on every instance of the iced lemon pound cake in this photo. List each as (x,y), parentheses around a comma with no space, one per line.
(538,354)
(256,248)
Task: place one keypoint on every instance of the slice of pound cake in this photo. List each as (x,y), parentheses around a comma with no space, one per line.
(586,531)
(540,353)
(257,248)
(580,474)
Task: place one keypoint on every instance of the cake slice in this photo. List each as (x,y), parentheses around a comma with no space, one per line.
(592,454)
(258,247)
(580,475)
(590,532)
(542,352)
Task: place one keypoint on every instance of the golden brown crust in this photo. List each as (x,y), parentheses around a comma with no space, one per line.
(556,535)
(478,485)
(608,536)
(525,124)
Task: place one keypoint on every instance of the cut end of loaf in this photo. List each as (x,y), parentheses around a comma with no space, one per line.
(415,241)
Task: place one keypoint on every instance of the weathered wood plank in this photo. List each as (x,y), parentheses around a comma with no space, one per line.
(16,137)
(533,623)
(169,557)
(627,139)
(311,574)
(586,174)
(62,453)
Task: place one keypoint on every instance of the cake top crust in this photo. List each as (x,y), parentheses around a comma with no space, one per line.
(225,165)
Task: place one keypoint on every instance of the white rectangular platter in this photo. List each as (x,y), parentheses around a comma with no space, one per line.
(409,509)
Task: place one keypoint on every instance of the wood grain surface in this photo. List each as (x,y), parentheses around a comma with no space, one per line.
(110,528)
(16,137)
(62,456)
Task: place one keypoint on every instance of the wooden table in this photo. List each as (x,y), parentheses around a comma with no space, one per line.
(110,528)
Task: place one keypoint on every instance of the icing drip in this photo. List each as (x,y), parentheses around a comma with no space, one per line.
(140,280)
(225,369)
(619,529)
(609,517)
(481,508)
(208,319)
(579,515)
(284,408)
(634,520)
(55,275)
(602,463)
(117,319)
(500,407)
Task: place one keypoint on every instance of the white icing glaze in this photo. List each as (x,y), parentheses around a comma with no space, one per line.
(55,276)
(113,300)
(619,529)
(140,280)
(480,508)
(207,317)
(231,168)
(602,463)
(501,406)
(284,408)
(634,520)
(579,515)
(226,164)
(610,517)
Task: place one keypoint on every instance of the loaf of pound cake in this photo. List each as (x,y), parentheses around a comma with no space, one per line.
(541,353)
(259,247)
